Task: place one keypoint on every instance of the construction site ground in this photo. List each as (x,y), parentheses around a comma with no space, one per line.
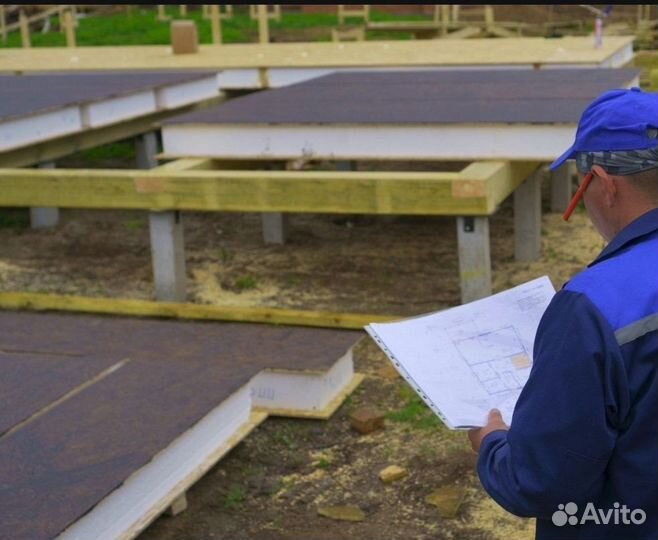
(274,484)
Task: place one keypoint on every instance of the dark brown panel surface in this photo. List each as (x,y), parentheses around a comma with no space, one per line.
(58,466)
(29,382)
(23,95)
(422,97)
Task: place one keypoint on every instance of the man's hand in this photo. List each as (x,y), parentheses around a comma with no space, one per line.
(494,423)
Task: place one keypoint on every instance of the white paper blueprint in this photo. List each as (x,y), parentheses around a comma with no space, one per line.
(467,360)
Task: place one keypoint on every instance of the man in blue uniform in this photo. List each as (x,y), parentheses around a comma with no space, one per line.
(581,454)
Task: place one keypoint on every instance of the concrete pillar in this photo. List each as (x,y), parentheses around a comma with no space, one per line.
(146,148)
(168,255)
(561,187)
(275,223)
(166,231)
(43,218)
(274,228)
(474,257)
(527,219)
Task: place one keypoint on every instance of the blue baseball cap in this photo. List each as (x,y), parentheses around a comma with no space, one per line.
(616,120)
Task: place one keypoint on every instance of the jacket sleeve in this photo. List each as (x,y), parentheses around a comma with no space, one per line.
(567,417)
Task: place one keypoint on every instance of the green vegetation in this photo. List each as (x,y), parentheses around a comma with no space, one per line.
(324,463)
(234,497)
(246,282)
(134,224)
(117,150)
(414,413)
(141,27)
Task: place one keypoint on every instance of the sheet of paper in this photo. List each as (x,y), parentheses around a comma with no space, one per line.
(467,360)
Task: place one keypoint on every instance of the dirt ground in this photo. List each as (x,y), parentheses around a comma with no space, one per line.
(272,484)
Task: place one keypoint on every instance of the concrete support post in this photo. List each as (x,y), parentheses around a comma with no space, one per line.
(274,228)
(527,219)
(561,187)
(166,231)
(474,257)
(168,255)
(146,148)
(43,218)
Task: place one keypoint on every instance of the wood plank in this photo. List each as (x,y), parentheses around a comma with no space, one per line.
(527,50)
(364,192)
(145,308)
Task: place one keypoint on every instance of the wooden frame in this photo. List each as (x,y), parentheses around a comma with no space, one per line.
(471,194)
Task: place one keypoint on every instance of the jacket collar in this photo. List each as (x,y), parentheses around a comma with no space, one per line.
(645,224)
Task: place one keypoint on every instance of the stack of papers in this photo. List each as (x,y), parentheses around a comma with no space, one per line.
(467,360)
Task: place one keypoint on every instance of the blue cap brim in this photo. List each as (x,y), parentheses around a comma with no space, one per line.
(569,154)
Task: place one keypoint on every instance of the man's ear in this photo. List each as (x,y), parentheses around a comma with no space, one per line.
(608,185)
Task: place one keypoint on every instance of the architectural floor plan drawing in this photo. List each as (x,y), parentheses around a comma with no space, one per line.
(469,359)
(497,358)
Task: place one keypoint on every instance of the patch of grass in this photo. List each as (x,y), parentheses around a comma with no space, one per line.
(414,413)
(236,494)
(246,282)
(141,27)
(134,224)
(286,436)
(117,150)
(324,463)
(225,255)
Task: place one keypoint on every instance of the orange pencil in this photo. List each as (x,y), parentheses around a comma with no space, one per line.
(577,196)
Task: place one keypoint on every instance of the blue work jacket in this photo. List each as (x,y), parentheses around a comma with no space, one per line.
(585,427)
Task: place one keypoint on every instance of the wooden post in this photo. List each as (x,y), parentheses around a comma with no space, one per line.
(183,10)
(60,14)
(454,15)
(3,24)
(74,12)
(561,187)
(445,15)
(40,217)
(489,19)
(215,24)
(474,257)
(205,12)
(162,14)
(25,30)
(263,26)
(70,28)
(166,232)
(527,219)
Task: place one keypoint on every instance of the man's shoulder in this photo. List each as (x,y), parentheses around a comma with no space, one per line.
(624,288)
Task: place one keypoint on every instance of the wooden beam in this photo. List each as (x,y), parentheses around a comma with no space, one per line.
(147,308)
(514,51)
(3,24)
(475,191)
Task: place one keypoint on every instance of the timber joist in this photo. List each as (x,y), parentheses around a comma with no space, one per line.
(476,190)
